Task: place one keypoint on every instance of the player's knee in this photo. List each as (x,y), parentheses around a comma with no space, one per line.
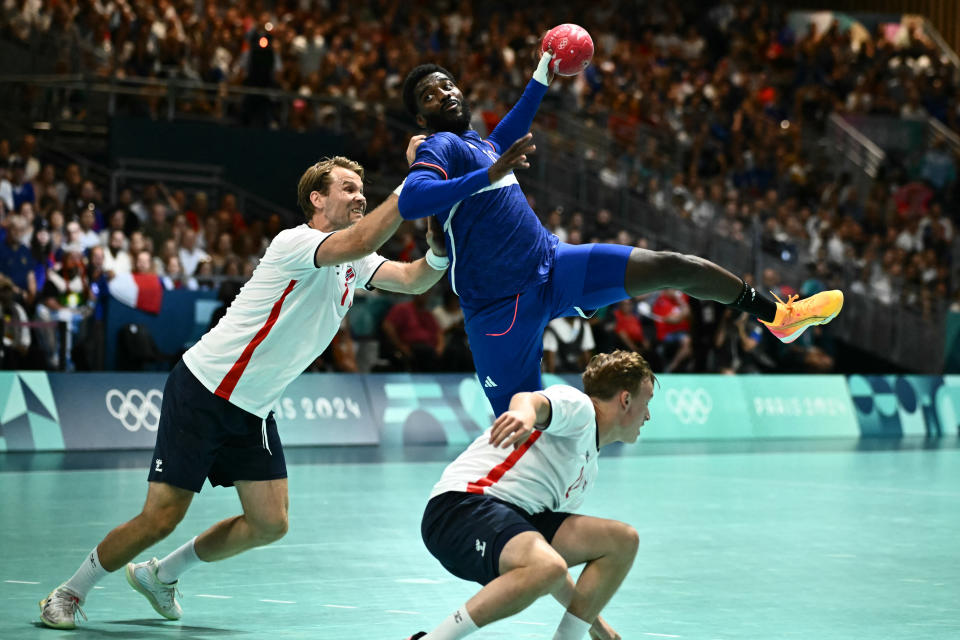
(163,521)
(551,573)
(270,529)
(628,540)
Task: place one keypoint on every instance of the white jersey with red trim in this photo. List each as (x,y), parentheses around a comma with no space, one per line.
(552,470)
(284,317)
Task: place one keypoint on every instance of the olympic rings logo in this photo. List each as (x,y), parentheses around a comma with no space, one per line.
(135,409)
(690,405)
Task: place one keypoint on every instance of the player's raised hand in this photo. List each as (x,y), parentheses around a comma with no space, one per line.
(415,142)
(513,158)
(512,428)
(544,72)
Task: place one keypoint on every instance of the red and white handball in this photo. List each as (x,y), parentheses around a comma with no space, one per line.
(572,49)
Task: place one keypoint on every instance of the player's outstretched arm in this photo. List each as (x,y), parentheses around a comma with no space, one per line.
(517,122)
(363,238)
(417,276)
(370,232)
(514,426)
(426,192)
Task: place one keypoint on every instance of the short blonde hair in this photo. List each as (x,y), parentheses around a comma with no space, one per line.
(317,178)
(609,373)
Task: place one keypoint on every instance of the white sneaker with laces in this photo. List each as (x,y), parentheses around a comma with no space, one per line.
(59,609)
(142,576)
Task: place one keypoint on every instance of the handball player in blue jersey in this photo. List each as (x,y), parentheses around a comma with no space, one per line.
(512,275)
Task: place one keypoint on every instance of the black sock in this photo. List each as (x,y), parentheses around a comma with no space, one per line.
(755,304)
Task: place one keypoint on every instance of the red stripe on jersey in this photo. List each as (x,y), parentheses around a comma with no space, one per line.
(432,166)
(233,376)
(515,307)
(491,145)
(497,472)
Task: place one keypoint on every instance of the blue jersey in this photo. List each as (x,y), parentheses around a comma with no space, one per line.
(496,244)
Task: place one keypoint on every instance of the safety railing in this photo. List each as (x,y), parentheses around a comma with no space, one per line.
(856,148)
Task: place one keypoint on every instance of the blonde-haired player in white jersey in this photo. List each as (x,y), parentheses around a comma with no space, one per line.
(502,517)
(215,419)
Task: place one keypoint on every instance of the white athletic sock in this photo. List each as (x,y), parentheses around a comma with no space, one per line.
(458,625)
(571,628)
(177,562)
(89,574)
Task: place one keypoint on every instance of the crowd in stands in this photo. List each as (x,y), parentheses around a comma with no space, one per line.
(738,94)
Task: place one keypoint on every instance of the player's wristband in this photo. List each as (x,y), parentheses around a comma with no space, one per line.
(399,188)
(436,262)
(541,75)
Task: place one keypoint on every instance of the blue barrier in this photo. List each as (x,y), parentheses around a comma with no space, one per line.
(60,411)
(183,319)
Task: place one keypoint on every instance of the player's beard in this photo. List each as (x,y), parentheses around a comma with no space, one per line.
(443,121)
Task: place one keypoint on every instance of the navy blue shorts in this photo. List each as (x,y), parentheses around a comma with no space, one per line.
(506,334)
(466,531)
(201,436)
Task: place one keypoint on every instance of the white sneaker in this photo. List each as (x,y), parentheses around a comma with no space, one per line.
(59,609)
(142,576)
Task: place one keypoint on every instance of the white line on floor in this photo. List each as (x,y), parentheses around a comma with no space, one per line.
(418,581)
(536,624)
(99,587)
(337,606)
(20,582)
(280,601)
(661,635)
(412,613)
(210,595)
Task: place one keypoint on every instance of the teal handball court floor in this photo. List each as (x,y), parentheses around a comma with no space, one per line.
(803,540)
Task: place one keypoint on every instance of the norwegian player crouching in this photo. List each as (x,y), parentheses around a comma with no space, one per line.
(500,514)
(216,420)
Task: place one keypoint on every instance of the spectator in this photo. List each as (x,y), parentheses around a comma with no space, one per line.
(69,188)
(413,337)
(190,254)
(222,254)
(43,252)
(88,237)
(87,199)
(6,189)
(671,311)
(175,278)
(116,258)
(16,333)
(629,329)
(65,298)
(939,167)
(21,187)
(456,350)
(567,345)
(26,155)
(157,229)
(555,224)
(16,261)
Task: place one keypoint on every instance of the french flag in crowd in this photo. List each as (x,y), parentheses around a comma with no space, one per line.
(143,291)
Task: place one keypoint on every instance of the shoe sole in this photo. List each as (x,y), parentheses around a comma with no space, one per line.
(55,625)
(793,336)
(132,580)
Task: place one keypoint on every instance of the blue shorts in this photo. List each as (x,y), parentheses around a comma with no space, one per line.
(202,436)
(466,531)
(506,334)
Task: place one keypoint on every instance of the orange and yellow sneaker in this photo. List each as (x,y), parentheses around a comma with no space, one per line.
(795,316)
